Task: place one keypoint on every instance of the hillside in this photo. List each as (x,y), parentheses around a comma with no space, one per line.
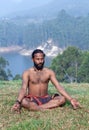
(51,9)
(65,30)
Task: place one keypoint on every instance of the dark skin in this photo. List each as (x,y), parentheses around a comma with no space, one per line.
(35,82)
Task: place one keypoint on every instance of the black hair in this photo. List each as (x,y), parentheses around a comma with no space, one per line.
(37,51)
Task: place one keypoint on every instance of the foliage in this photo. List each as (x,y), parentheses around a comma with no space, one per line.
(5,73)
(65,30)
(17,77)
(72,65)
(84,68)
(64,118)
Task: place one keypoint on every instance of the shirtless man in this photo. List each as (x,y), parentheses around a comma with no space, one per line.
(33,94)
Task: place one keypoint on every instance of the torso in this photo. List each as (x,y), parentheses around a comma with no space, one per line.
(38,81)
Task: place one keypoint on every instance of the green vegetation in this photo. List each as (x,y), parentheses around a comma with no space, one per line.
(65,30)
(5,73)
(72,65)
(64,118)
(17,77)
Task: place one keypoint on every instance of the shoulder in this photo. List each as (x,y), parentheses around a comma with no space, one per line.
(49,71)
(27,72)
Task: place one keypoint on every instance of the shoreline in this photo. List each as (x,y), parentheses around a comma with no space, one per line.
(15,49)
(27,52)
(10,49)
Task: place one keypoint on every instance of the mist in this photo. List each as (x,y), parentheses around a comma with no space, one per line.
(10,6)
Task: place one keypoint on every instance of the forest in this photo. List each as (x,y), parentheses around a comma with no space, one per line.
(72,65)
(65,30)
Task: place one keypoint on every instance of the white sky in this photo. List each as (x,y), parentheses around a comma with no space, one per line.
(9,6)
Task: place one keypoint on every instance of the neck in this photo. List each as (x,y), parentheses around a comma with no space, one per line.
(35,69)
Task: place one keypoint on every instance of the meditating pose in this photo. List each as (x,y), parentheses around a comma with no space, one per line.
(34,94)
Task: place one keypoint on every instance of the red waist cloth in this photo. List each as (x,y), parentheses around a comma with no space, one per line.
(39,100)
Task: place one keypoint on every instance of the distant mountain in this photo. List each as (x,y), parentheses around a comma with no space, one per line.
(29,28)
(74,7)
(50,10)
(65,30)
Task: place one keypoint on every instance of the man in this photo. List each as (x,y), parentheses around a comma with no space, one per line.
(33,94)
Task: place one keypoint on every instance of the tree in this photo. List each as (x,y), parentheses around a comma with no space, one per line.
(84,68)
(5,73)
(17,77)
(66,65)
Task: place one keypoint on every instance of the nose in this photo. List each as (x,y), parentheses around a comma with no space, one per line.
(40,61)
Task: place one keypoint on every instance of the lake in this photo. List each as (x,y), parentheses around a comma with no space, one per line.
(18,63)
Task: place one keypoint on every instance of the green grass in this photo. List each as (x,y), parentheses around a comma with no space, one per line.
(64,118)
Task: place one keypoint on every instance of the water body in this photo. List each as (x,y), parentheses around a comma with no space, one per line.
(18,63)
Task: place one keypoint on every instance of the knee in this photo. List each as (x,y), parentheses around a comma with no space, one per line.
(62,101)
(24,103)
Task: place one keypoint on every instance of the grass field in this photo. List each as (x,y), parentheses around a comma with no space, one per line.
(64,118)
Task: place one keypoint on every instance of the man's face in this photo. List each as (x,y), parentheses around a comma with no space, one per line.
(38,61)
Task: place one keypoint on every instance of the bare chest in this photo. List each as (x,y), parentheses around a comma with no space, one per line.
(39,77)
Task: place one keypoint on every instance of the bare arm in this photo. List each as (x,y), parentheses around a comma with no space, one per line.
(23,89)
(59,87)
(17,105)
(61,90)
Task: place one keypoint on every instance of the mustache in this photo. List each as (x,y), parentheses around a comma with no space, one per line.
(39,66)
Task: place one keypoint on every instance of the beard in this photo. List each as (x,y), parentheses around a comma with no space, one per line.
(39,66)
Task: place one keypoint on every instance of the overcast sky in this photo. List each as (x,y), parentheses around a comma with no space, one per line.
(10,6)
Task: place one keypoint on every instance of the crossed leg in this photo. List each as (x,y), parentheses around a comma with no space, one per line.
(55,102)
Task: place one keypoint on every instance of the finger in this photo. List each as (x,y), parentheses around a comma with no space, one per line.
(16,110)
(79,105)
(76,106)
